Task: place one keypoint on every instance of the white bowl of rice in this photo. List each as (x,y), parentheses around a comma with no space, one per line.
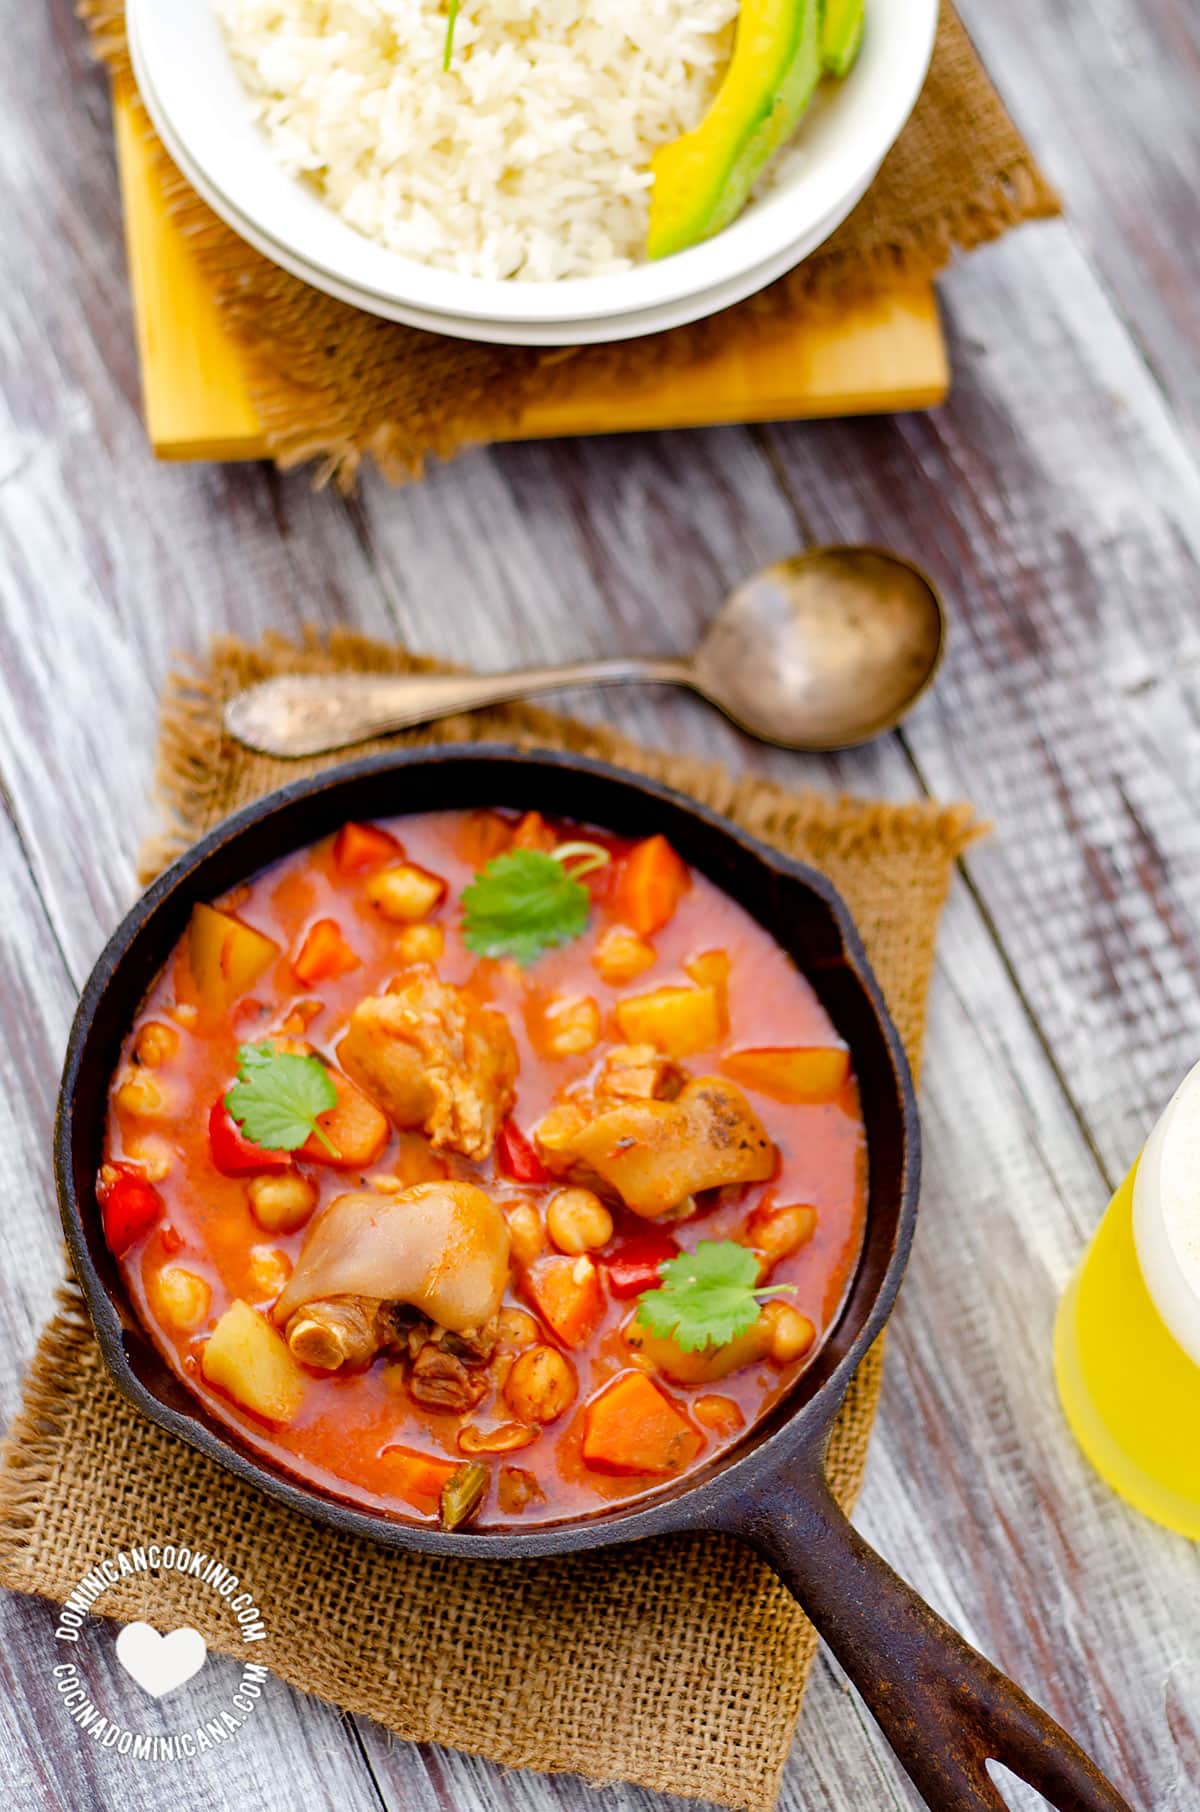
(508,195)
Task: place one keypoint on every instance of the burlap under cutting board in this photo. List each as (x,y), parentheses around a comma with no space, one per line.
(330,382)
(679,1663)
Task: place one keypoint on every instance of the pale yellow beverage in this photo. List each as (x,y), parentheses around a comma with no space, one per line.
(1127,1339)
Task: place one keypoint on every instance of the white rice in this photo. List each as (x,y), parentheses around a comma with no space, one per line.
(528,158)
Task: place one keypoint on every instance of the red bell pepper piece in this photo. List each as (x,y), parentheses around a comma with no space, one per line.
(233,1154)
(516,1158)
(129,1207)
(364,846)
(633,1267)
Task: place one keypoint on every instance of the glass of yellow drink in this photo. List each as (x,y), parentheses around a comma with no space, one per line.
(1127,1338)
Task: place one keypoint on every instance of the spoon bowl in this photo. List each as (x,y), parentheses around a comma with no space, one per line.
(825,650)
(821,651)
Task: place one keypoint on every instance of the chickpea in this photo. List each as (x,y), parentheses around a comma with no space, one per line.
(153,1154)
(420,944)
(525,1232)
(790,1334)
(577,1221)
(621,956)
(517,1328)
(570,1027)
(405,893)
(721,1414)
(517,1490)
(383,1184)
(155,1044)
(776,1233)
(180,1297)
(185,1014)
(269,1271)
(141,1096)
(541,1385)
(506,1439)
(281,1203)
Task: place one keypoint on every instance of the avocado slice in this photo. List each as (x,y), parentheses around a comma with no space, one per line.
(841,35)
(702,180)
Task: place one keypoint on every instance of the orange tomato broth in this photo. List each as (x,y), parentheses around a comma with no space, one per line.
(340,1437)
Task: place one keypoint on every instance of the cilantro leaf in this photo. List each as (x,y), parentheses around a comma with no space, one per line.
(522,903)
(278,1097)
(707,1297)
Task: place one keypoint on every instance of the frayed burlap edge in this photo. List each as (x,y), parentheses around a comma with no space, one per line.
(716,1724)
(334,385)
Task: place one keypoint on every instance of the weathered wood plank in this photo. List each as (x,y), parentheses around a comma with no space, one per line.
(1107,95)
(1057,503)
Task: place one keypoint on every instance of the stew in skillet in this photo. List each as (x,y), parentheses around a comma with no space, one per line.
(483,1168)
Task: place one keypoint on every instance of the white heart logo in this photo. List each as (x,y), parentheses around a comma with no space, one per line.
(160,1663)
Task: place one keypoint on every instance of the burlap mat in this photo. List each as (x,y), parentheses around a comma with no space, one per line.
(330,382)
(678,1664)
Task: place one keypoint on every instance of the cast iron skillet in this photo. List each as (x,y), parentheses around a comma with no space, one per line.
(943,1708)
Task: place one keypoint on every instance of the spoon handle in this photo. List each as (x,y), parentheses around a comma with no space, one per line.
(308,714)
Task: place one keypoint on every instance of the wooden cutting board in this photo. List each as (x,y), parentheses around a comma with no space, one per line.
(887,355)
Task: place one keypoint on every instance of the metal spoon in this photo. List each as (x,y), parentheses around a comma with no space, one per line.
(821,651)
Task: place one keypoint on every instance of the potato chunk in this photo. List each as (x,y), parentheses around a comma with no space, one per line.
(565,1026)
(226,956)
(678,1021)
(796,1074)
(245,1357)
(707,1364)
(405,894)
(711,969)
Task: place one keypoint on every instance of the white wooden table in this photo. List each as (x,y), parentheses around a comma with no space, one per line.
(1056,497)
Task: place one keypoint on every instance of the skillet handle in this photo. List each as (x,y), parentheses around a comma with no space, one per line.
(943,1708)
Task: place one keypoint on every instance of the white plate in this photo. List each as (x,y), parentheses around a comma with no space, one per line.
(511,333)
(568,333)
(195,95)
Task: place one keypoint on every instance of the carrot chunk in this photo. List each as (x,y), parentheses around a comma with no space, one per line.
(418,1477)
(652,883)
(632,1427)
(533,833)
(798,1074)
(358,846)
(568,1295)
(354,1127)
(323,954)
